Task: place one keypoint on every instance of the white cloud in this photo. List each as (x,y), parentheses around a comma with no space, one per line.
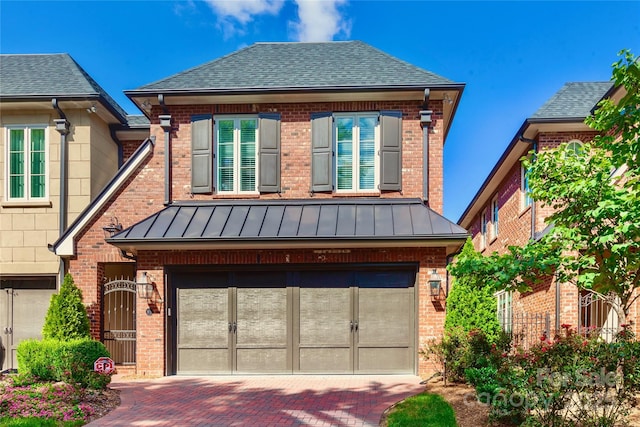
(320,20)
(234,15)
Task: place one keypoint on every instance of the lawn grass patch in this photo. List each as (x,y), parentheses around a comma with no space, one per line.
(425,410)
(37,422)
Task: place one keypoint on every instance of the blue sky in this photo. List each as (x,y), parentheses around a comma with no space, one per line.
(513,55)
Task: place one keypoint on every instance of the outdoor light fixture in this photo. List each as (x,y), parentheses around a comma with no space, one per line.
(113,228)
(143,287)
(435,284)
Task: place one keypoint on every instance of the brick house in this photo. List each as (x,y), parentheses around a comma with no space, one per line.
(285,214)
(62,138)
(501,214)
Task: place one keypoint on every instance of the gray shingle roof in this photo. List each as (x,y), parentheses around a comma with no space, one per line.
(300,65)
(137,120)
(291,220)
(573,100)
(48,76)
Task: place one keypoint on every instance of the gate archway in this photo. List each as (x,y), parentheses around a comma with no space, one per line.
(119,320)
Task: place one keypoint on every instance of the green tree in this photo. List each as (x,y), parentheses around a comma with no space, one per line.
(471,304)
(595,196)
(67,316)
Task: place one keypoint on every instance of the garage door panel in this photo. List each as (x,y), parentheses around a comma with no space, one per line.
(385,316)
(265,360)
(325,316)
(203,361)
(262,317)
(325,360)
(204,318)
(385,360)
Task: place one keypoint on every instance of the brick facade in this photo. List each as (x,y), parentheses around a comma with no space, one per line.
(143,195)
(515,229)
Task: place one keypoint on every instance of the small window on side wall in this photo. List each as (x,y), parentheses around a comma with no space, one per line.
(574,147)
(524,187)
(483,230)
(495,217)
(505,310)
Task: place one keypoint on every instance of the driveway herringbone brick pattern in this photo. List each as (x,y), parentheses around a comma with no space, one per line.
(258,401)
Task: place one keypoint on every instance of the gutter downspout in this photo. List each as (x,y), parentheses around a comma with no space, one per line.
(165,124)
(112,131)
(534,144)
(62,126)
(425,123)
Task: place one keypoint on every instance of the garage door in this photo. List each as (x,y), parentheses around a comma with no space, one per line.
(296,322)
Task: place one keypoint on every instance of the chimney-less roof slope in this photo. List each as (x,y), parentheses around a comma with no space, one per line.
(573,100)
(49,76)
(299,66)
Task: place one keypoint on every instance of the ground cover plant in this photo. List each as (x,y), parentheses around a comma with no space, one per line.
(425,409)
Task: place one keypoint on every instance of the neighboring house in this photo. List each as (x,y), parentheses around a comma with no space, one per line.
(286,213)
(502,214)
(60,143)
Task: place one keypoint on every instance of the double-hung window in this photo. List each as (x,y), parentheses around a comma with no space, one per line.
(356,138)
(237,142)
(483,230)
(495,217)
(505,310)
(237,154)
(26,170)
(359,152)
(526,191)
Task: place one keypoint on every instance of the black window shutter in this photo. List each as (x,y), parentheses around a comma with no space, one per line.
(269,152)
(201,154)
(391,150)
(321,152)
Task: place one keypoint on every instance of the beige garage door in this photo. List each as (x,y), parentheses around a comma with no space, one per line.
(338,323)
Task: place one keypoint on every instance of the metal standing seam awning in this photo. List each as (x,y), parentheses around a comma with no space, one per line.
(301,223)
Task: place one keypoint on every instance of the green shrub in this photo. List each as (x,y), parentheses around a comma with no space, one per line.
(570,380)
(67,316)
(471,305)
(68,361)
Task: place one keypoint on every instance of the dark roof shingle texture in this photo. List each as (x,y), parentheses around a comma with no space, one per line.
(300,65)
(370,219)
(573,100)
(48,75)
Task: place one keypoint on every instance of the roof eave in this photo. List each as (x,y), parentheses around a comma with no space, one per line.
(451,242)
(67,97)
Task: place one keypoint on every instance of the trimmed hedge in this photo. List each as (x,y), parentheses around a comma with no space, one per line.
(69,361)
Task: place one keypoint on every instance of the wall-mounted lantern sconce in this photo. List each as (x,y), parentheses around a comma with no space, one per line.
(113,228)
(435,284)
(145,288)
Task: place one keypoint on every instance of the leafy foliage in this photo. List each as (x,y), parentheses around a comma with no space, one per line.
(471,304)
(568,381)
(69,361)
(67,316)
(594,242)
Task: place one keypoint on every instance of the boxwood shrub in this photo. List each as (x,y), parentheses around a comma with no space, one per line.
(69,361)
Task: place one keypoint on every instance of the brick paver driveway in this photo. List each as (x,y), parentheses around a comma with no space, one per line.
(258,401)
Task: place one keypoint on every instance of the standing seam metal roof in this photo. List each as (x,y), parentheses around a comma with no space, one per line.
(300,65)
(373,219)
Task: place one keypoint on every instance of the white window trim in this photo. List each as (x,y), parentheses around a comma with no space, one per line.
(236,152)
(483,230)
(355,179)
(7,163)
(504,311)
(574,142)
(525,198)
(495,219)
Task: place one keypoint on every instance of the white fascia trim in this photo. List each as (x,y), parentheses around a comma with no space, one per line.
(66,247)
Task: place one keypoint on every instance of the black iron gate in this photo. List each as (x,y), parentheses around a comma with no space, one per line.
(119,320)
